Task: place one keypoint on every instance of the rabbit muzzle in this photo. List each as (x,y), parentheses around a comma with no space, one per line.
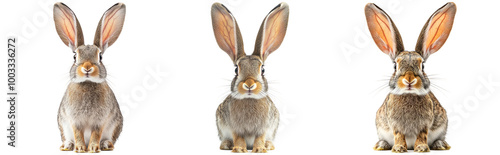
(249,87)
(87,70)
(410,83)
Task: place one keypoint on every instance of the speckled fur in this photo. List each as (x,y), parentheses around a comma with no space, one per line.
(88,106)
(412,119)
(248,120)
(410,114)
(89,117)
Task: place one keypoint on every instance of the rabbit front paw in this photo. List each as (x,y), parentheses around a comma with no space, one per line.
(238,149)
(94,148)
(421,148)
(259,150)
(80,149)
(398,148)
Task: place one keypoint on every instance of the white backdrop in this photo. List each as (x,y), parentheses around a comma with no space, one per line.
(324,79)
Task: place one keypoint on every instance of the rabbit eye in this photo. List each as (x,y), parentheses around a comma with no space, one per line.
(263,70)
(100,56)
(423,66)
(236,70)
(395,66)
(74,57)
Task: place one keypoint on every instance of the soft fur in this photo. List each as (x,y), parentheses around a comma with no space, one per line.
(89,116)
(411,117)
(248,119)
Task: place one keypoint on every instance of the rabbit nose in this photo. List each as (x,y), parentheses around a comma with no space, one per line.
(409,83)
(249,84)
(409,78)
(87,68)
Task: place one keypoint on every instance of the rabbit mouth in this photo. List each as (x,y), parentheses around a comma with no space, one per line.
(88,78)
(409,90)
(248,94)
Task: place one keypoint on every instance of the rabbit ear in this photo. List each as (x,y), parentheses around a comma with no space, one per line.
(383,30)
(67,26)
(272,31)
(436,30)
(110,26)
(226,31)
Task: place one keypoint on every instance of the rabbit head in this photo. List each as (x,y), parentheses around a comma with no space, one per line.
(249,81)
(88,65)
(409,75)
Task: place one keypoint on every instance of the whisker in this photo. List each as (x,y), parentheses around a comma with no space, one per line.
(379,89)
(439,88)
(434,78)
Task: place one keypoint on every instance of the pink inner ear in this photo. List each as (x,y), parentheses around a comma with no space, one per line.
(111,25)
(274,31)
(70,32)
(381,29)
(224,26)
(107,29)
(438,29)
(68,25)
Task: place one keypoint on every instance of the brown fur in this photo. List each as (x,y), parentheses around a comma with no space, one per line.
(95,140)
(89,104)
(421,143)
(247,118)
(92,99)
(269,145)
(412,114)
(248,115)
(240,146)
(249,82)
(399,142)
(87,65)
(79,140)
(259,144)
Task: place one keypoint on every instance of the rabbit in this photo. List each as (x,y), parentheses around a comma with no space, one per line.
(411,116)
(89,114)
(247,118)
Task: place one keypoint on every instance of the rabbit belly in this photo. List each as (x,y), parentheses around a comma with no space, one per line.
(249,122)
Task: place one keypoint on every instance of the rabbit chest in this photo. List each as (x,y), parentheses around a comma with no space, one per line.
(410,113)
(249,116)
(88,102)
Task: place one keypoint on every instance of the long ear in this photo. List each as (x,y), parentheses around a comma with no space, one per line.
(436,30)
(110,26)
(226,31)
(383,30)
(67,26)
(272,31)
